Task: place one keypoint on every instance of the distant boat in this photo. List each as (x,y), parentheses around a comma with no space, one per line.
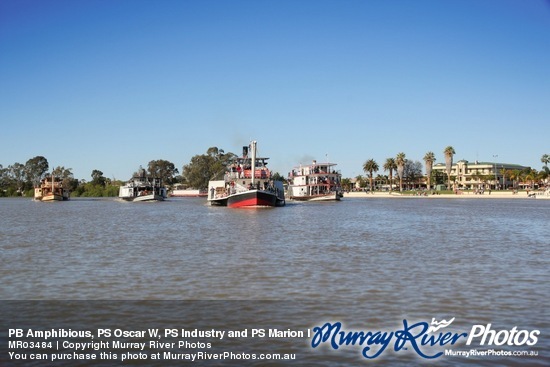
(51,189)
(247,183)
(178,191)
(142,188)
(315,182)
(541,194)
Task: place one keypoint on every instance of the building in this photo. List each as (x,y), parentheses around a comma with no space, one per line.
(466,175)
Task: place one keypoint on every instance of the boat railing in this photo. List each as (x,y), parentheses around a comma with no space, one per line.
(306,172)
(263,173)
(238,188)
(260,173)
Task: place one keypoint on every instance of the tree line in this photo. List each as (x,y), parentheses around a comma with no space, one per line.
(20,179)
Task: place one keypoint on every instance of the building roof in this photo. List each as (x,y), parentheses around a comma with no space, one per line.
(477,163)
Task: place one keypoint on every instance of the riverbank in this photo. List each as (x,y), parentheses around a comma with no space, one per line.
(461,195)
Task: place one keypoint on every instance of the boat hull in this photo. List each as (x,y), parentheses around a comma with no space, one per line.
(541,195)
(329,197)
(151,197)
(52,197)
(251,198)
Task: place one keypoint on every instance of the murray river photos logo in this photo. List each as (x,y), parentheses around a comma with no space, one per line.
(428,340)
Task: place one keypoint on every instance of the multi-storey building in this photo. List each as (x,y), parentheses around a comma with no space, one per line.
(479,174)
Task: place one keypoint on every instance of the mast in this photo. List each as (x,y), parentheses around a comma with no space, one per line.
(253,157)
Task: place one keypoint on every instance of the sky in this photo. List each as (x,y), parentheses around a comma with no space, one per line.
(112,85)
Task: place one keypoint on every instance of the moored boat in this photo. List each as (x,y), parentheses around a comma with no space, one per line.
(178,191)
(51,189)
(541,194)
(247,183)
(315,182)
(142,188)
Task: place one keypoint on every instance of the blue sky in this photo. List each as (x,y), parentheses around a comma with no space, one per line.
(112,85)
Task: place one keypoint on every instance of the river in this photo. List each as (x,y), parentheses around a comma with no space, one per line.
(368,263)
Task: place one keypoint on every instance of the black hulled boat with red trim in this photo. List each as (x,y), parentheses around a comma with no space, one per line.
(247,183)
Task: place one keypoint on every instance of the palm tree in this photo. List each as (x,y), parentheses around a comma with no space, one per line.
(541,176)
(532,176)
(400,161)
(370,166)
(505,173)
(545,159)
(429,160)
(390,165)
(379,180)
(515,176)
(346,184)
(449,152)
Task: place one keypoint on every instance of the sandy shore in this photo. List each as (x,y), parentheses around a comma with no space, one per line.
(468,195)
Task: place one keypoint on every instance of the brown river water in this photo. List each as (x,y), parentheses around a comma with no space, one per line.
(373,265)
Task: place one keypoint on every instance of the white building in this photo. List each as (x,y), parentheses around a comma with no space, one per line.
(479,174)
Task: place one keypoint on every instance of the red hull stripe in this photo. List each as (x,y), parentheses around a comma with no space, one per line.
(251,202)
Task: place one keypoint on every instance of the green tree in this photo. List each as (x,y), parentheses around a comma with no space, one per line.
(504,173)
(163,169)
(531,176)
(35,169)
(438,177)
(97,178)
(370,167)
(17,173)
(400,162)
(515,176)
(545,159)
(346,184)
(4,180)
(379,181)
(412,171)
(278,177)
(486,178)
(206,167)
(65,175)
(390,165)
(62,172)
(359,181)
(429,159)
(449,152)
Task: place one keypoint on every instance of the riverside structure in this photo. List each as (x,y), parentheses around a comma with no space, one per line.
(468,175)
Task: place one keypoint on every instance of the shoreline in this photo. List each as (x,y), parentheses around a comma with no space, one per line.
(467,195)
